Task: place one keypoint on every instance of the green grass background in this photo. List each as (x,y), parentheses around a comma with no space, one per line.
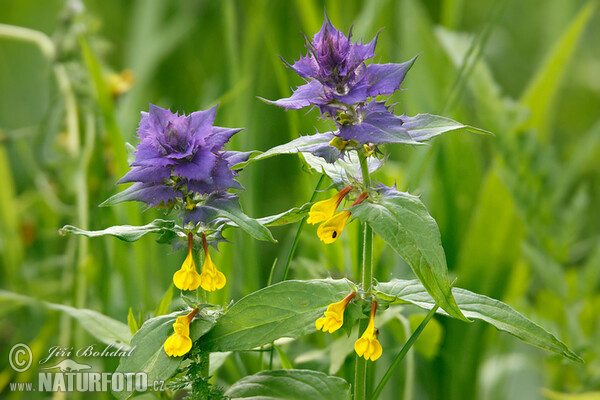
(518,212)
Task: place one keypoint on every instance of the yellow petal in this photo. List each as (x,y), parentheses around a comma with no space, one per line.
(375,349)
(360,346)
(320,323)
(322,210)
(331,229)
(177,345)
(211,278)
(186,279)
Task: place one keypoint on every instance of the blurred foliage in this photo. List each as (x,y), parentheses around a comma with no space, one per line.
(518,212)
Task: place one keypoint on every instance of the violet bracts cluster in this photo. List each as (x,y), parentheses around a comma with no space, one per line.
(180,161)
(343,87)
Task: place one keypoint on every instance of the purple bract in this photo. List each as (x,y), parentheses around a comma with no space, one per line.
(337,73)
(179,156)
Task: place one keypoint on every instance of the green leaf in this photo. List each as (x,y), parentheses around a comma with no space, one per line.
(286,309)
(285,361)
(100,326)
(302,144)
(342,170)
(132,322)
(127,233)
(287,217)
(403,222)
(425,126)
(294,384)
(148,354)
(543,88)
(477,306)
(232,211)
(165,302)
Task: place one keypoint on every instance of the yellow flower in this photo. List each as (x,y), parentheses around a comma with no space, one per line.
(331,229)
(334,315)
(367,345)
(119,84)
(180,342)
(211,278)
(323,210)
(187,278)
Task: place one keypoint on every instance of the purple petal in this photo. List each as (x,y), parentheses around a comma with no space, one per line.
(311,93)
(146,174)
(236,157)
(378,126)
(148,155)
(306,66)
(219,136)
(149,193)
(356,94)
(200,123)
(199,168)
(386,78)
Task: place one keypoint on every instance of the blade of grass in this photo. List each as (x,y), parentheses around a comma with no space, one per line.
(413,338)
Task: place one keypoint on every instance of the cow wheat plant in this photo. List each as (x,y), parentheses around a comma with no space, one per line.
(180,164)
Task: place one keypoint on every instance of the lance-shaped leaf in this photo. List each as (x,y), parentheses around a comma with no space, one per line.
(477,306)
(290,384)
(286,309)
(100,326)
(127,233)
(343,170)
(287,217)
(148,354)
(317,144)
(423,127)
(403,222)
(227,207)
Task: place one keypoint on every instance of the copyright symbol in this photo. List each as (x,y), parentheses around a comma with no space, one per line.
(20,357)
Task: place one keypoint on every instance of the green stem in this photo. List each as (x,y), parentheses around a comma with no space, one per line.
(403,352)
(298,232)
(366,278)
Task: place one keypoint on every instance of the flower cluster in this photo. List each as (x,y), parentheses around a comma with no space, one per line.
(180,159)
(333,224)
(187,278)
(367,345)
(343,86)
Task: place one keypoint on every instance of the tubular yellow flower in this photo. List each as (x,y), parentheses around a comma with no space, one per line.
(331,229)
(323,210)
(367,345)
(187,278)
(334,315)
(211,278)
(180,342)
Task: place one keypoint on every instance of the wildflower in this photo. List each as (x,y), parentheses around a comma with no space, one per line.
(180,342)
(187,278)
(367,345)
(331,229)
(211,278)
(179,156)
(334,315)
(119,84)
(338,73)
(323,210)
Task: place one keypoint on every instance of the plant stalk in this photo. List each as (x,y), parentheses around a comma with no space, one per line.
(366,278)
